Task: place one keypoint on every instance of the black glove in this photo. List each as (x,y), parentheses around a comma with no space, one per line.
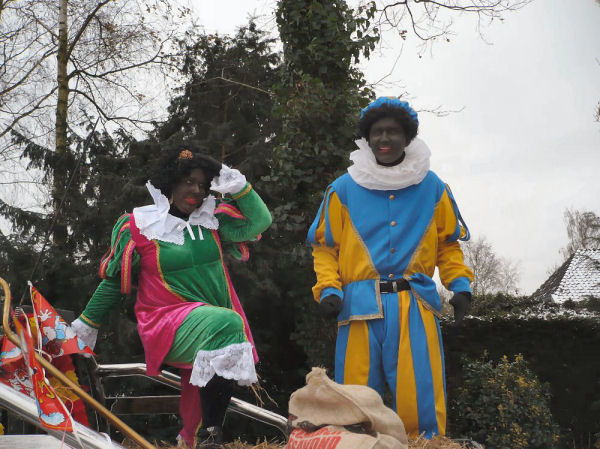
(461,302)
(330,306)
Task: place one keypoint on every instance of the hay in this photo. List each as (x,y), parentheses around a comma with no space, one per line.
(419,443)
(238,444)
(434,443)
(264,445)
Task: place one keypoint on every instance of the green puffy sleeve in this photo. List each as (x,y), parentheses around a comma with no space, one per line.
(116,269)
(243,217)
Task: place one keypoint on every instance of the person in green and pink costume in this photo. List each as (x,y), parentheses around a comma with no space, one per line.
(188,313)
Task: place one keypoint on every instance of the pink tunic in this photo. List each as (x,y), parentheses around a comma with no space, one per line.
(159,310)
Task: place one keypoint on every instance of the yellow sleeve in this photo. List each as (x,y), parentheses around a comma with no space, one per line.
(324,236)
(454,274)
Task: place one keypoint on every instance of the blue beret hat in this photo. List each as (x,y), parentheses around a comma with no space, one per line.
(393,102)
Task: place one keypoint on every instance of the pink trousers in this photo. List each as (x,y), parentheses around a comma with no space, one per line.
(190,408)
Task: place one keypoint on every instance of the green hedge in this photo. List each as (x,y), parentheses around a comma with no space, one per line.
(562,350)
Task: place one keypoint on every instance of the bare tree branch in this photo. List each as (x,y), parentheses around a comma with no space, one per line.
(425,19)
(240,84)
(106,115)
(84,26)
(25,114)
(111,45)
(121,69)
(24,78)
(583,231)
(493,274)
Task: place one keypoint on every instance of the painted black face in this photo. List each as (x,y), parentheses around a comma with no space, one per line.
(387,141)
(189,193)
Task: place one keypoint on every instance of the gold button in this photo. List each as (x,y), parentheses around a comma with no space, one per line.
(391,276)
(392,250)
(393,223)
(392,196)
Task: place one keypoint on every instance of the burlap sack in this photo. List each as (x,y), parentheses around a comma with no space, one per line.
(334,437)
(322,402)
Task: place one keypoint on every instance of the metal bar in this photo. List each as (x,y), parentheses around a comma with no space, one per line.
(137,369)
(260,414)
(128,431)
(29,441)
(25,408)
(167,378)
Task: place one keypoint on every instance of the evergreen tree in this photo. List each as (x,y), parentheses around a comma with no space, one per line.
(318,99)
(105,177)
(100,172)
(226,103)
(226,99)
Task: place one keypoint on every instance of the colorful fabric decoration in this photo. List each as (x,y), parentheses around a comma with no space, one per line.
(10,353)
(57,337)
(58,341)
(13,371)
(72,401)
(52,412)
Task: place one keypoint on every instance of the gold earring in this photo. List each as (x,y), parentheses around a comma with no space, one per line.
(171,200)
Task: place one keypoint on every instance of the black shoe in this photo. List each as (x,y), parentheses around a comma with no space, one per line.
(210,438)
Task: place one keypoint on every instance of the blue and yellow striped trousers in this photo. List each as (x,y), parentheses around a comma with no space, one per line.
(403,349)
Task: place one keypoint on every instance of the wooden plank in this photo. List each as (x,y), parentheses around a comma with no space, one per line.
(31,442)
(144,405)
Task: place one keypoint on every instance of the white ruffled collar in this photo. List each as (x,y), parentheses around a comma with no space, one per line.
(156,223)
(367,173)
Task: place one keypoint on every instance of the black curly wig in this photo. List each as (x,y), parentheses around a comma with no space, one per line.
(410,127)
(169,169)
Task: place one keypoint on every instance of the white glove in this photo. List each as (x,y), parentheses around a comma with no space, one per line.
(85,333)
(230,180)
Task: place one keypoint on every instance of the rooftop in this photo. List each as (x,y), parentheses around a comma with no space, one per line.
(576,279)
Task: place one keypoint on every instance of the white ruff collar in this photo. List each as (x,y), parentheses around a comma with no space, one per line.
(367,173)
(155,222)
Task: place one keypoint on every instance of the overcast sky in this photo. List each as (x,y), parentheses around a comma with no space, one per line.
(525,145)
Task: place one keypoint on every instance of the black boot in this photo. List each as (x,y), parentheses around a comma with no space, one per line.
(214,398)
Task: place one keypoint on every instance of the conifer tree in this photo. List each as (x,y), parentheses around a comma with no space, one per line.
(318,99)
(227,104)
(101,181)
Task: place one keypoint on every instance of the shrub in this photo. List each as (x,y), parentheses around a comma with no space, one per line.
(500,304)
(504,405)
(589,303)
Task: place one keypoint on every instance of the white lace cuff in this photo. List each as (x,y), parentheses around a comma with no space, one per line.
(230,180)
(85,333)
(231,362)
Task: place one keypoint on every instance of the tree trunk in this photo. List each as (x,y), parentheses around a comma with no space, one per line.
(61,146)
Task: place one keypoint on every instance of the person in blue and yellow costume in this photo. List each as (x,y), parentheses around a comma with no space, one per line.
(380,232)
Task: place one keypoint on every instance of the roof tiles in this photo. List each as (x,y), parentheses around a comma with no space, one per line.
(578,278)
